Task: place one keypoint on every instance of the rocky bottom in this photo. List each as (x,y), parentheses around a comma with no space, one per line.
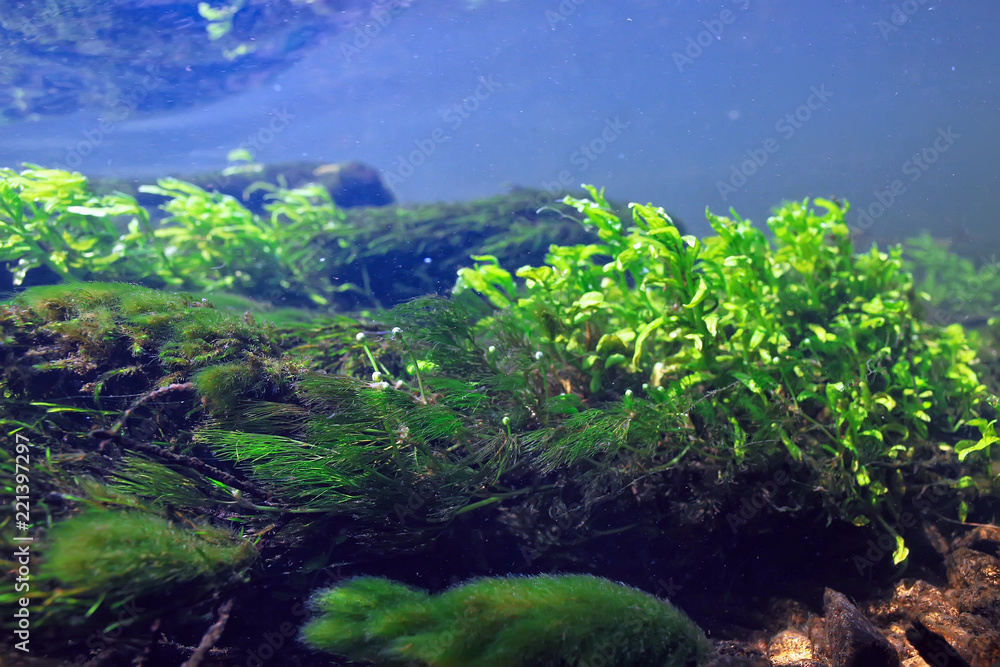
(951,623)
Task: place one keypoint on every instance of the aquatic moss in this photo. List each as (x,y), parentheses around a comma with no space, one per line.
(351,447)
(93,322)
(542,621)
(132,552)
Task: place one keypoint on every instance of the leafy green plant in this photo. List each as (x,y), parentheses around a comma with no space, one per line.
(302,250)
(50,218)
(796,341)
(532,621)
(953,288)
(208,241)
(216,242)
(988,438)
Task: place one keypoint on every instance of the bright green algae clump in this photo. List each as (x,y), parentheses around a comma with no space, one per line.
(136,552)
(500,622)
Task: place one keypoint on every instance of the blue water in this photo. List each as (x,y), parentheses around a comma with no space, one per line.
(688,104)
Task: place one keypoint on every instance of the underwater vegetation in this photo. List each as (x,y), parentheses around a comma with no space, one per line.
(133,552)
(350,184)
(533,622)
(295,248)
(625,389)
(799,335)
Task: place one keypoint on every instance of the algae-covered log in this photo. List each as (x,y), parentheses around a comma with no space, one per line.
(642,402)
(296,247)
(544,621)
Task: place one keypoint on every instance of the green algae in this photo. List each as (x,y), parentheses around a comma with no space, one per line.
(602,397)
(533,622)
(135,553)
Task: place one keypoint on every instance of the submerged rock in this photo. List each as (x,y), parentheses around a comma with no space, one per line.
(934,648)
(792,648)
(852,640)
(350,184)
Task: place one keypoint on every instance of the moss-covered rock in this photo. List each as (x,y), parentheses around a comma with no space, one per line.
(677,405)
(136,553)
(546,621)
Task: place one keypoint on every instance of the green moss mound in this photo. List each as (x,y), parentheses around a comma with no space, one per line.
(544,621)
(136,552)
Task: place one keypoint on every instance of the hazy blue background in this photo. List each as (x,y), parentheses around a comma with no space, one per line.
(898,73)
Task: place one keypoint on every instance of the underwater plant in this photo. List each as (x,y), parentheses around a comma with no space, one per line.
(50,218)
(797,344)
(298,248)
(626,391)
(954,288)
(540,621)
(134,552)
